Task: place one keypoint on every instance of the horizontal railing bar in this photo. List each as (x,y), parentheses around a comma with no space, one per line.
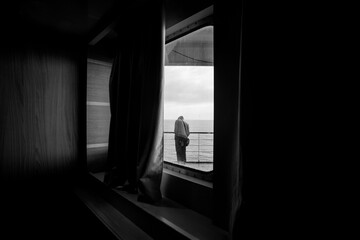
(195,132)
(207,148)
(199,150)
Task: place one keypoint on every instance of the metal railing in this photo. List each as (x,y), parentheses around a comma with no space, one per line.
(200,149)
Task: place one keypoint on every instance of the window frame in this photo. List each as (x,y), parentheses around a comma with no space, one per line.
(198,21)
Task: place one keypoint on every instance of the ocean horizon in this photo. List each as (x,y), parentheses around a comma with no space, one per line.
(194,125)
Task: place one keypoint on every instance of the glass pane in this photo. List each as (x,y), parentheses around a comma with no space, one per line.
(189,92)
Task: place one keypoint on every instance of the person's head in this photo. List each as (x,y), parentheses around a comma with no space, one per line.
(181,118)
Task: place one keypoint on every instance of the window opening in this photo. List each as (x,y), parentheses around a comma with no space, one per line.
(189,92)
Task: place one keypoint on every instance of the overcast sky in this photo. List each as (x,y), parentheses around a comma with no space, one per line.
(189,91)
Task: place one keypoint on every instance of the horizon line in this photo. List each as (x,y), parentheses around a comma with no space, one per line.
(190,119)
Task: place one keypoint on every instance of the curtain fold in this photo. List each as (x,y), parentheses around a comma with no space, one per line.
(229,127)
(135,156)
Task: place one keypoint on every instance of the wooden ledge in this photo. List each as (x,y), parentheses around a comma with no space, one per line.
(170,218)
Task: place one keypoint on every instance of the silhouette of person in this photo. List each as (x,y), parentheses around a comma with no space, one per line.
(182,131)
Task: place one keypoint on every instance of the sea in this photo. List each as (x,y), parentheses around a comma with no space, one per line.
(200,149)
(195,125)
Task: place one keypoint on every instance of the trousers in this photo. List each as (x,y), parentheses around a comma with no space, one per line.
(180,146)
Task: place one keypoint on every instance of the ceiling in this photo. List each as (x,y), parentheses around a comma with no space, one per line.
(24,19)
(69,16)
(82,17)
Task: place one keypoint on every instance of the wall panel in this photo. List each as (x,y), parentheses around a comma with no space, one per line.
(96,158)
(39,111)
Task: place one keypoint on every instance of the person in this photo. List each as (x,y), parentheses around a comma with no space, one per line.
(182,132)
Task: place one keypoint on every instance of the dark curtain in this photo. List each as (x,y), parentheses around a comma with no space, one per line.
(135,156)
(258,100)
(229,138)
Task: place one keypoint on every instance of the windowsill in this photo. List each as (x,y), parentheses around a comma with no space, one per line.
(181,219)
(191,174)
(189,178)
(205,167)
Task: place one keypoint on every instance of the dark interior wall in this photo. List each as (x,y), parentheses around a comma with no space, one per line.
(56,213)
(42,103)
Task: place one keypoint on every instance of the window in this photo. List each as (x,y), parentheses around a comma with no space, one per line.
(189,92)
(98,113)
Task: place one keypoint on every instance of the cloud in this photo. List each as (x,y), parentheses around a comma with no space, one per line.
(204,111)
(189,84)
(189,91)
